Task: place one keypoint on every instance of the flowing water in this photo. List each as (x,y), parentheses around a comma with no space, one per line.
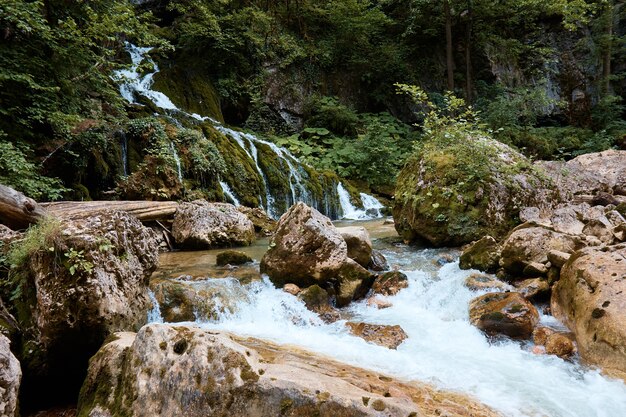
(229,193)
(441,348)
(134,83)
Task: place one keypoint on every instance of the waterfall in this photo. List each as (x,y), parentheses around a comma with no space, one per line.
(229,193)
(133,84)
(371,206)
(179,169)
(124,147)
(154,315)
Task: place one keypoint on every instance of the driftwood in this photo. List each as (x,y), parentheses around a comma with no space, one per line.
(143,210)
(18,211)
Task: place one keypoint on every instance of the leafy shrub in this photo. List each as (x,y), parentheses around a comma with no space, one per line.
(329,113)
(18,172)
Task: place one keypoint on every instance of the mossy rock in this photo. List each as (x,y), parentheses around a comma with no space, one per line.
(232,257)
(190,90)
(454,190)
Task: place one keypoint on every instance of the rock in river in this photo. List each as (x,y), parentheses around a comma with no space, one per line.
(203,225)
(165,371)
(507,313)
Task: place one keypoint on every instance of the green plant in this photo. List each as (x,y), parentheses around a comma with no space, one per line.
(76,261)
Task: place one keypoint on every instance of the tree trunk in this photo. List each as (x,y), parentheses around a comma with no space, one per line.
(449,56)
(468,54)
(143,210)
(608,49)
(18,211)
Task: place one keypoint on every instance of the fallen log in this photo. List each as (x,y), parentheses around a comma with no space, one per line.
(143,210)
(18,211)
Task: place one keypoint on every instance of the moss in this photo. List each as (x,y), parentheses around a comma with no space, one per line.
(366,400)
(232,257)
(247,374)
(189,89)
(378,405)
(285,405)
(494,316)
(314,297)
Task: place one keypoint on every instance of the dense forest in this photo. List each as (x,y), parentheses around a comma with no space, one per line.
(319,77)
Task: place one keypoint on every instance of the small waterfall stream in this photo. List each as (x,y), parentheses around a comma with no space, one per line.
(229,193)
(134,84)
(124,148)
(179,169)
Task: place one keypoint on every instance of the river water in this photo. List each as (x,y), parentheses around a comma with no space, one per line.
(442,347)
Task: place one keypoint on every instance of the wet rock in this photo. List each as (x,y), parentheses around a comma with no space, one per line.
(533,288)
(560,345)
(483,255)
(232,257)
(590,298)
(10,377)
(436,202)
(509,314)
(89,281)
(292,289)
(478,282)
(384,335)
(378,262)
(317,300)
(307,249)
(541,334)
(218,374)
(390,283)
(264,225)
(359,244)
(532,244)
(203,225)
(378,303)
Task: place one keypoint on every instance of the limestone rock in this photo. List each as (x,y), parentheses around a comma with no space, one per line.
(509,314)
(384,335)
(590,298)
(217,374)
(359,244)
(587,174)
(292,289)
(541,334)
(10,378)
(558,258)
(478,282)
(308,249)
(232,257)
(203,225)
(483,255)
(532,244)
(390,283)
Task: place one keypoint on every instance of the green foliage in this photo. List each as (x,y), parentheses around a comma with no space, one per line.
(203,160)
(76,261)
(18,172)
(329,113)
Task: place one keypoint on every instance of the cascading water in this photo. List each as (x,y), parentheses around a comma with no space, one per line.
(134,84)
(371,206)
(124,148)
(442,346)
(229,193)
(154,314)
(179,169)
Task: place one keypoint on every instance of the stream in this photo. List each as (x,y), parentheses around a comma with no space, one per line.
(442,347)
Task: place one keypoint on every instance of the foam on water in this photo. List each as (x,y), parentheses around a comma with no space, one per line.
(371,206)
(442,348)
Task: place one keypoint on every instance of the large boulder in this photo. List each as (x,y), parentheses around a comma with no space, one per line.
(507,313)
(10,377)
(456,190)
(176,371)
(82,280)
(590,298)
(264,225)
(204,225)
(527,246)
(308,249)
(588,174)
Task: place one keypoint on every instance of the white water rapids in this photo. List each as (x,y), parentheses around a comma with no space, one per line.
(442,347)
